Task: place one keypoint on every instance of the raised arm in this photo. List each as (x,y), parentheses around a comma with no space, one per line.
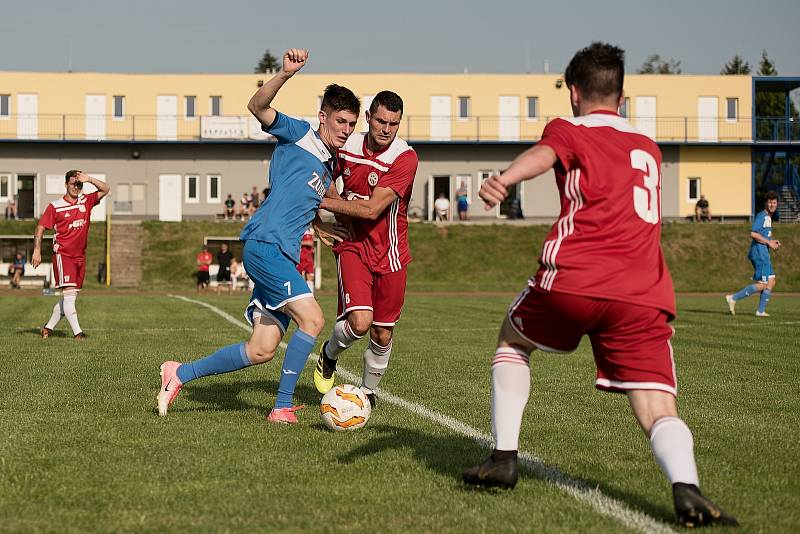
(102,187)
(532,163)
(261,101)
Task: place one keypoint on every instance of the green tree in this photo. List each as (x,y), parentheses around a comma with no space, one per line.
(770,105)
(656,65)
(268,64)
(737,65)
(766,67)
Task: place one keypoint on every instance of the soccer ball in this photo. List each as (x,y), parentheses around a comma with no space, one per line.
(345,407)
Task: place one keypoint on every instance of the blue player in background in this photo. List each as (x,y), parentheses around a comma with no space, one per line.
(764,275)
(300,173)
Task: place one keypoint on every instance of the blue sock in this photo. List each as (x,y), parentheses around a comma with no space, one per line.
(745,292)
(225,360)
(762,303)
(297,352)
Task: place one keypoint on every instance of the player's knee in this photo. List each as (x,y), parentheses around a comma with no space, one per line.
(313,324)
(360,322)
(259,352)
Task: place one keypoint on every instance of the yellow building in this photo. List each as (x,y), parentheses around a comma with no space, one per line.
(175,146)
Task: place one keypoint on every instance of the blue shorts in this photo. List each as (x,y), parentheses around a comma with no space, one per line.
(763,270)
(276,281)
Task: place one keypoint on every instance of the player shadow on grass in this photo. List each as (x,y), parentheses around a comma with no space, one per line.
(226,396)
(38,333)
(450,454)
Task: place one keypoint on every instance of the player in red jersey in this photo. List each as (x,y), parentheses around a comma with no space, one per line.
(306,265)
(602,274)
(69,216)
(378,170)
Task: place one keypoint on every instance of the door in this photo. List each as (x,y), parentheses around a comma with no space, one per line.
(169,197)
(95,117)
(440,118)
(646,115)
(707,118)
(99,211)
(26,196)
(439,185)
(167,121)
(27,116)
(508,110)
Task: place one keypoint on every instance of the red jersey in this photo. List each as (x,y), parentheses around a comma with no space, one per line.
(607,241)
(382,244)
(206,258)
(71,223)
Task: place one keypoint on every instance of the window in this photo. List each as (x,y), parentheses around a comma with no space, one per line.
(733,109)
(694,189)
(138,192)
(533,107)
(213,187)
(463,107)
(190,111)
(123,193)
(5,106)
(119,107)
(216,106)
(624,109)
(5,186)
(192,196)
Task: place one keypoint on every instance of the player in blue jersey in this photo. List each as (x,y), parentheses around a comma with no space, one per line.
(300,173)
(762,242)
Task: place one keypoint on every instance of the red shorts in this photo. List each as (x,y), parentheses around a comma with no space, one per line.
(361,289)
(306,265)
(69,271)
(631,343)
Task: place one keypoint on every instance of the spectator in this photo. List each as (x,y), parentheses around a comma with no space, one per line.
(306,265)
(230,207)
(204,259)
(224,259)
(244,206)
(441,207)
(515,210)
(701,210)
(265,194)
(255,200)
(11,208)
(462,201)
(237,273)
(16,270)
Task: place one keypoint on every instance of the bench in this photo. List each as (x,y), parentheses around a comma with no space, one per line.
(39,277)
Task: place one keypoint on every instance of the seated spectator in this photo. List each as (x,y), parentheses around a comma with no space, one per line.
(230,207)
(244,206)
(224,259)
(255,200)
(11,208)
(701,210)
(204,259)
(441,207)
(16,270)
(237,273)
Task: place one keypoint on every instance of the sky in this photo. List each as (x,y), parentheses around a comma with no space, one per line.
(492,36)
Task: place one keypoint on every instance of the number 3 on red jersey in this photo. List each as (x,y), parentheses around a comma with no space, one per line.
(647,199)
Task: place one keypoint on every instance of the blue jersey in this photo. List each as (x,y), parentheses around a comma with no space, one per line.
(762,225)
(299,175)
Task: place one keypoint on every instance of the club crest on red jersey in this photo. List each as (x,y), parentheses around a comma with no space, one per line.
(372,178)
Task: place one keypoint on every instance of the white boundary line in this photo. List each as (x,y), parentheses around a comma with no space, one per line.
(581,491)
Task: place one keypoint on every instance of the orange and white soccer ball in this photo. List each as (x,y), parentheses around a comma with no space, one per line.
(345,407)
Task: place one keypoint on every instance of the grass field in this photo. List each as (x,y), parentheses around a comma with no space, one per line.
(82,450)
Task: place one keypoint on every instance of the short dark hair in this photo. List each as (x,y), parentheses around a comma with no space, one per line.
(71,174)
(771,195)
(339,98)
(598,71)
(391,101)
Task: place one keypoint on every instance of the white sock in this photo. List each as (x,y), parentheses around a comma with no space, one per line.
(71,312)
(342,338)
(673,448)
(376,360)
(511,386)
(58,313)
